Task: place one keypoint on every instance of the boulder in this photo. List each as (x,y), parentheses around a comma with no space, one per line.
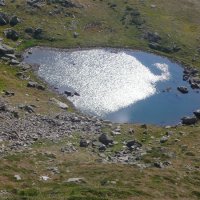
(38,33)
(2,3)
(152,37)
(69,93)
(182,89)
(189,120)
(14,62)
(84,143)
(133,144)
(27,108)
(35,85)
(5,49)
(3,19)
(102,147)
(11,34)
(9,93)
(59,103)
(29,30)
(32,84)
(14,20)
(163,139)
(75,34)
(105,139)
(75,180)
(197,113)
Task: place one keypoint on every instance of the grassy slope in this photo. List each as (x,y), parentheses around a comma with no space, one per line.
(175,21)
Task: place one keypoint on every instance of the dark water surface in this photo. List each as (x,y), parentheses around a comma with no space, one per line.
(119,85)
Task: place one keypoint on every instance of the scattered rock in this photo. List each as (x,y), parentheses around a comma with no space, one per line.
(14,20)
(2,3)
(27,108)
(44,178)
(17,177)
(84,143)
(11,34)
(76,180)
(131,131)
(189,120)
(164,139)
(182,89)
(3,19)
(152,37)
(59,103)
(197,113)
(133,144)
(75,34)
(9,93)
(14,62)
(105,139)
(5,49)
(32,84)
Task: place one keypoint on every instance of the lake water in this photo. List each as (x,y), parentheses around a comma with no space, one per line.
(118,85)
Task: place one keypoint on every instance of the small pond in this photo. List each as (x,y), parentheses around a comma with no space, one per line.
(118,85)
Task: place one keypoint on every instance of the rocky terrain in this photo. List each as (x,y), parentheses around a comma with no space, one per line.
(50,151)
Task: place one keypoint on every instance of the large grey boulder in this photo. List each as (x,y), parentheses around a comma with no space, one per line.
(11,34)
(152,37)
(14,20)
(2,3)
(189,120)
(182,89)
(133,144)
(105,139)
(197,113)
(3,19)
(5,49)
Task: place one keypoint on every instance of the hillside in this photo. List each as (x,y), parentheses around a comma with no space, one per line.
(48,150)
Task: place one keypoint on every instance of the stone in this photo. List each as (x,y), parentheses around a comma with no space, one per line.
(131,131)
(133,144)
(182,89)
(59,103)
(11,34)
(38,33)
(32,84)
(163,139)
(75,34)
(17,177)
(5,49)
(158,165)
(14,20)
(27,108)
(189,120)
(29,30)
(115,133)
(197,113)
(3,19)
(84,143)
(105,139)
(9,93)
(152,37)
(69,93)
(10,56)
(102,147)
(2,3)
(44,178)
(76,94)
(144,126)
(75,180)
(14,62)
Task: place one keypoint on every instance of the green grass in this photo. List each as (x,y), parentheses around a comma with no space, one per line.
(100,25)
